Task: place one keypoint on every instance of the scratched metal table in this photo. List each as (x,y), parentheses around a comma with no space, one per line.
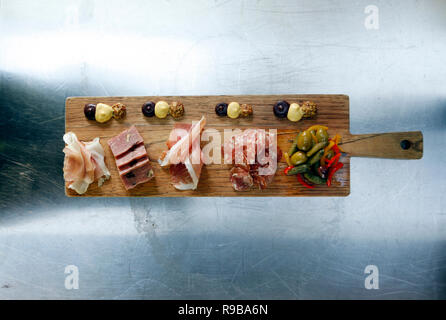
(281,248)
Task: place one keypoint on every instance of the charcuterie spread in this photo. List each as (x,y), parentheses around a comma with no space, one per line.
(253,154)
(218,146)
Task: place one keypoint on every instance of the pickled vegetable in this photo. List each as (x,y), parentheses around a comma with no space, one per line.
(298,158)
(287,159)
(304,141)
(314,157)
(322,171)
(317,157)
(316,148)
(322,135)
(314,178)
(317,127)
(299,169)
(293,147)
(313,136)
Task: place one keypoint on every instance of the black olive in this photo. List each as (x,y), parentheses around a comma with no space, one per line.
(281,109)
(221,109)
(322,172)
(90,111)
(148,109)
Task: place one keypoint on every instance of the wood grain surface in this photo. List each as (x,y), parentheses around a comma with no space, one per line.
(333,111)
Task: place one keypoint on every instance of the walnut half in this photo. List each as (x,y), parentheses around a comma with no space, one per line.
(119,111)
(309,109)
(176,110)
(246,110)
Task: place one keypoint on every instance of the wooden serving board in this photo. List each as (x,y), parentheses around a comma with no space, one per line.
(333,112)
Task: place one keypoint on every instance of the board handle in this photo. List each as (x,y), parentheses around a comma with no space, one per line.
(393,145)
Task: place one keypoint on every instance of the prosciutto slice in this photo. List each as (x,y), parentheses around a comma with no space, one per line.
(101,173)
(184,157)
(83,163)
(253,167)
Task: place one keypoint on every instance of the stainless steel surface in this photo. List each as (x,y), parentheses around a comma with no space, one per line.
(225,248)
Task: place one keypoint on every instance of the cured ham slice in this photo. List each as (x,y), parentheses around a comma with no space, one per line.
(131,158)
(241,179)
(83,163)
(184,157)
(101,173)
(255,154)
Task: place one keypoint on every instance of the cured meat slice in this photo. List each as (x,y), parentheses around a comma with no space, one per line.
(241,179)
(124,141)
(186,144)
(101,172)
(138,152)
(184,157)
(137,175)
(252,151)
(131,157)
(137,165)
(180,176)
(179,131)
(83,163)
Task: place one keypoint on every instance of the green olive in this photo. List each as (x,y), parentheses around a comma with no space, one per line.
(298,158)
(322,135)
(304,141)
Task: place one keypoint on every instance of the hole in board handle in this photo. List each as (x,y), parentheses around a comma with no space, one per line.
(405,144)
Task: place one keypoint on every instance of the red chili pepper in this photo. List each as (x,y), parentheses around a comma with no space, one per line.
(288,169)
(333,161)
(336,149)
(302,181)
(332,172)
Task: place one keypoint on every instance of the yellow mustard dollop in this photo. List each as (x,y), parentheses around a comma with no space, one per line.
(104,112)
(234,110)
(161,109)
(294,112)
